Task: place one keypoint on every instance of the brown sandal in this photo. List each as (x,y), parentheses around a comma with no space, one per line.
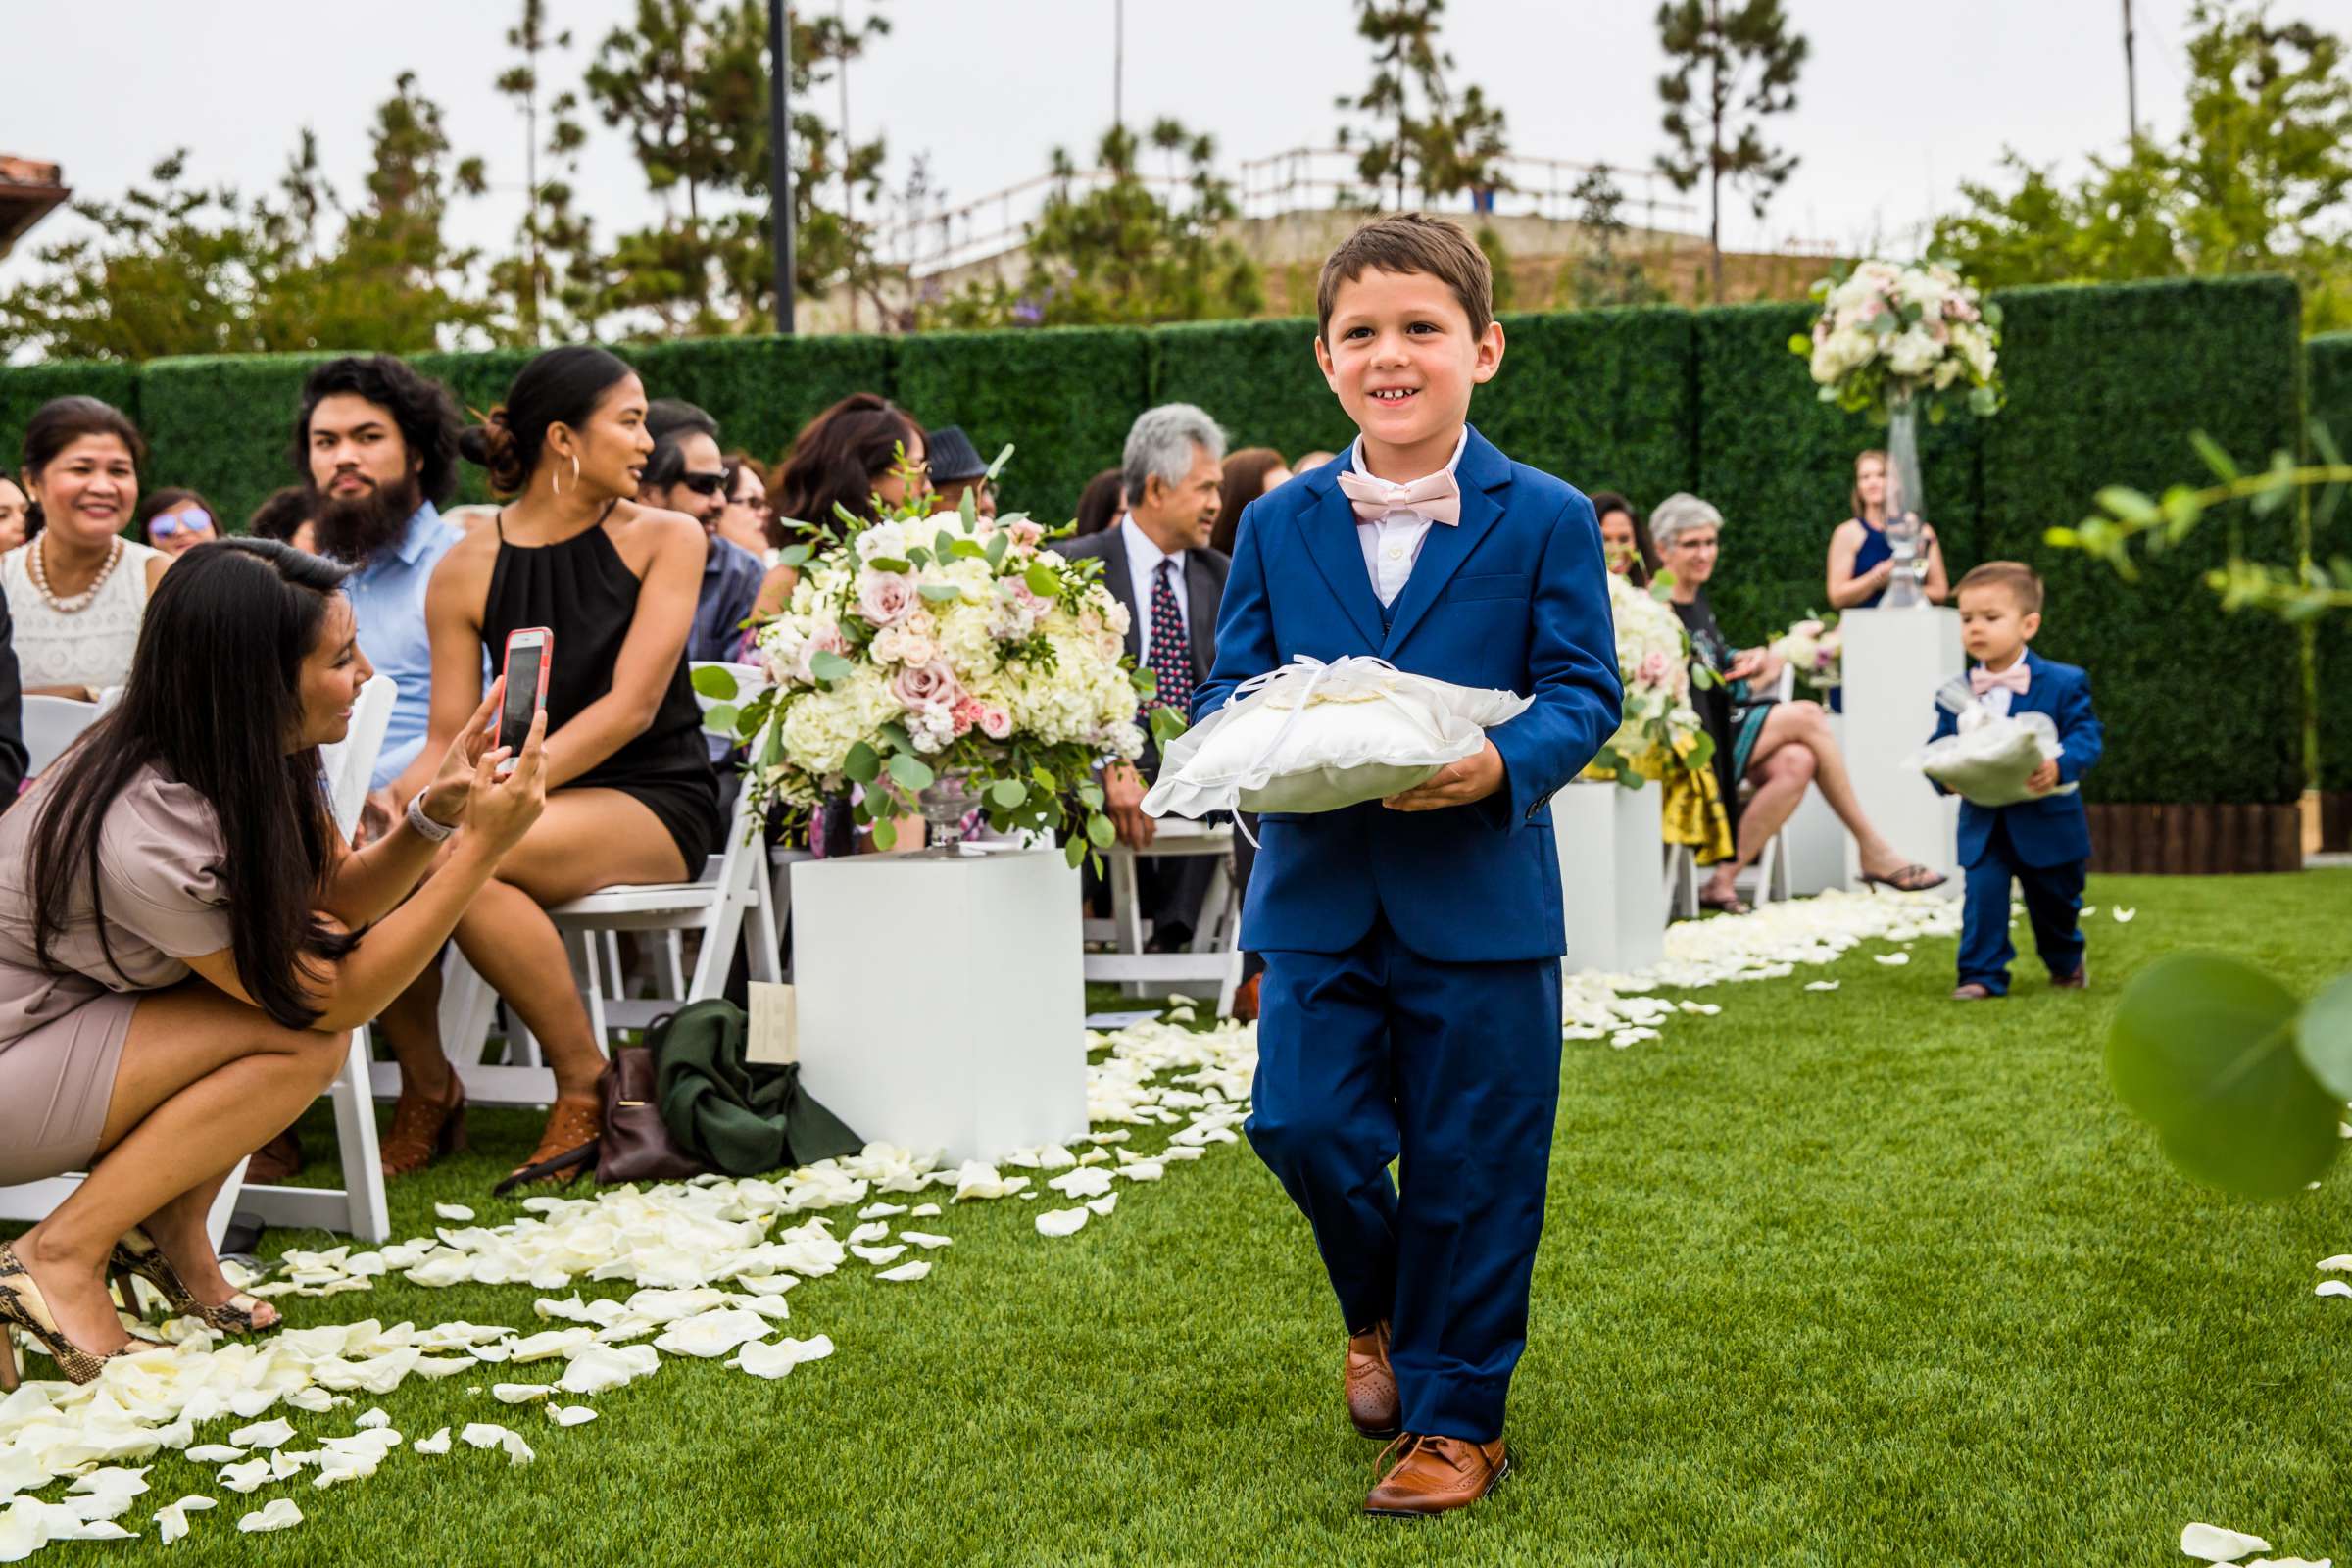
(1910,879)
(138,1256)
(424,1130)
(566,1149)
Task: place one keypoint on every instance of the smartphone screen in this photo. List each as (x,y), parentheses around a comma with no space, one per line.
(526,677)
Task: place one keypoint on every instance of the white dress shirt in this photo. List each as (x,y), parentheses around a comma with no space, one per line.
(1143,566)
(1391,544)
(1996,701)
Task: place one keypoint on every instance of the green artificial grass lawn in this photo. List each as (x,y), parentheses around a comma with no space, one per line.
(1853,1277)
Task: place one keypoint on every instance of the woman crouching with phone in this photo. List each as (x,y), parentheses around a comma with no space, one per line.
(186,941)
(603,591)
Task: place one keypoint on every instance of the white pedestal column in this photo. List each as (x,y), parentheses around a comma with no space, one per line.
(1894,662)
(1821,853)
(941,1002)
(1612,876)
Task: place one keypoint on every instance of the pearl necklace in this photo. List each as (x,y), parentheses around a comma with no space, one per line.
(36,569)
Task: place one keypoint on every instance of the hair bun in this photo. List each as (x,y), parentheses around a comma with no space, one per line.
(492,445)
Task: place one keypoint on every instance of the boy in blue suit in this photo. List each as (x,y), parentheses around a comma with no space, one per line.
(1410,1006)
(2043,843)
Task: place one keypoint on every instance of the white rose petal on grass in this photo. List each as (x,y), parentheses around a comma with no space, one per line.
(315,1400)
(570,1415)
(453,1212)
(2123,916)
(598,1368)
(1061,1222)
(2286,1562)
(171,1520)
(932,1210)
(2339,1263)
(2331,1287)
(765,1360)
(872,1232)
(520,1393)
(1084,1182)
(879,1254)
(1891,959)
(925,1238)
(280,1515)
(2213,1543)
(712,1333)
(228,1454)
(262,1433)
(251,1476)
(1143,1170)
(1821,985)
(371,1419)
(881,1210)
(438,1442)
(906,1273)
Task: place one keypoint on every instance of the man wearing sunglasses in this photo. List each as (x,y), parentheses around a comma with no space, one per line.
(686,473)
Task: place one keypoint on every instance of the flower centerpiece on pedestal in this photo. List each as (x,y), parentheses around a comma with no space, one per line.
(944,664)
(1891,341)
(1815,649)
(1660,732)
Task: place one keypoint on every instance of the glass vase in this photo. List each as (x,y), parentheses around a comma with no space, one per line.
(947,803)
(1906,510)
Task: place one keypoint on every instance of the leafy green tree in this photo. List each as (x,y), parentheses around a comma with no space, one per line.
(1448,146)
(1118,254)
(2257,181)
(1602,273)
(1736,65)
(548,278)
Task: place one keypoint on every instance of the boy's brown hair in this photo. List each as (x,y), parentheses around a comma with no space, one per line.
(1411,242)
(2023,583)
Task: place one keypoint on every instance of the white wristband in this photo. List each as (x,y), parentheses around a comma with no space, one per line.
(426,828)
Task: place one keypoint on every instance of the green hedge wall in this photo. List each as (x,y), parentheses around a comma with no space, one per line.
(1064,396)
(2327,362)
(2104,387)
(1778,464)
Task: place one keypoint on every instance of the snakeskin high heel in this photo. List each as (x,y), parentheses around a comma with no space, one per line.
(138,1256)
(22,1306)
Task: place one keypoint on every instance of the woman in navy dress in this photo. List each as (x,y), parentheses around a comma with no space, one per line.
(1861,561)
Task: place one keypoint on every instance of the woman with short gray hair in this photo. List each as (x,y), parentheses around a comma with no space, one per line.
(1777,747)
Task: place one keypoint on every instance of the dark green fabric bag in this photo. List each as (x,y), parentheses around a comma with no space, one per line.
(735,1116)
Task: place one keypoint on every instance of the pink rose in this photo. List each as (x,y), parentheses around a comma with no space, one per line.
(1653,668)
(1025,534)
(966,714)
(994,722)
(931,685)
(886,598)
(828,641)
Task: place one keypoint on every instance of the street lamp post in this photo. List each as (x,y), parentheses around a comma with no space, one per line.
(779,152)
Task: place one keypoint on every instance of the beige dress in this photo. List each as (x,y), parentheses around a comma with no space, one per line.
(61,1030)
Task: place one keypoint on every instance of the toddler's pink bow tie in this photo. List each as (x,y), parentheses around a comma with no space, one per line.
(1436,498)
(1982,680)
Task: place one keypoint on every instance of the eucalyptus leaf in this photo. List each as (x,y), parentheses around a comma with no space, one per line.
(940,593)
(2203,1048)
(1042,579)
(891,564)
(795,555)
(910,772)
(997,466)
(1008,792)
(1167,723)
(886,833)
(2324,1038)
(829,666)
(863,764)
(1074,851)
(993,551)
(721,717)
(714,681)
(1100,833)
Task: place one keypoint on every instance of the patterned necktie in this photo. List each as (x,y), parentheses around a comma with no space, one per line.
(1171,656)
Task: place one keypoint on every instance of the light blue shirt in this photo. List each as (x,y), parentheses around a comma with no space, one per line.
(387,602)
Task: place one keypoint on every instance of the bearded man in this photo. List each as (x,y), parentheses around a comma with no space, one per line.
(378,444)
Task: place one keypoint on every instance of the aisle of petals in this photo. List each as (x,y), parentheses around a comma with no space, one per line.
(713,1261)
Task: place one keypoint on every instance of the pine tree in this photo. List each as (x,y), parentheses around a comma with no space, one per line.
(1448,146)
(1735,63)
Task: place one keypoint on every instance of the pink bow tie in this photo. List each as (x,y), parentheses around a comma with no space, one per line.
(2013,679)
(1436,498)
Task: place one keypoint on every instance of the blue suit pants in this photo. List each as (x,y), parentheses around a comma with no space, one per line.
(2053,906)
(1453,1069)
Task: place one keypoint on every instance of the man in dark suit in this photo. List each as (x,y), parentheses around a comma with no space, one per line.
(1158,562)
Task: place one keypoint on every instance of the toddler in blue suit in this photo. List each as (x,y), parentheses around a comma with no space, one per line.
(2043,843)
(1410,1006)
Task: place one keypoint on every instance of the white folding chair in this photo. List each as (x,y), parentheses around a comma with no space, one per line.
(51,725)
(734,886)
(1211,958)
(356,1208)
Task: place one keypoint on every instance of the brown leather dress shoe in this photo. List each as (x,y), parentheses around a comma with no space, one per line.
(1371,1387)
(1435,1475)
(2080,980)
(1244,1000)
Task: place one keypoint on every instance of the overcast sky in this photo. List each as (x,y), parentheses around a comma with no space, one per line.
(1900,100)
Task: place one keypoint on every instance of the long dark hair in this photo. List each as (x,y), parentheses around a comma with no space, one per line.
(423,408)
(839,456)
(1099,504)
(215,691)
(561,386)
(1245,481)
(1643,570)
(56,425)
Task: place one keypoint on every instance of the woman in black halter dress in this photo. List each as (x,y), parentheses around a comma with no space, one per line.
(632,797)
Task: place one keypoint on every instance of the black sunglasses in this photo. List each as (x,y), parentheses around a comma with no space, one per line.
(703,484)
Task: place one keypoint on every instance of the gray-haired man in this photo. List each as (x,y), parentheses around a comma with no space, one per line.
(1156,560)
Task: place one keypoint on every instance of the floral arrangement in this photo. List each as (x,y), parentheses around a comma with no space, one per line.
(920,648)
(1660,730)
(1890,335)
(1814,648)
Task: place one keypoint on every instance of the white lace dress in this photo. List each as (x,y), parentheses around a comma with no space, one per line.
(92,647)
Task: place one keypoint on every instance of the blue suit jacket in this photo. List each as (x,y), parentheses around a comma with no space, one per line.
(2054,831)
(1514,596)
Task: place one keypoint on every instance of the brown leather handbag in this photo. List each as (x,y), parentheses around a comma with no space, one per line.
(636,1146)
